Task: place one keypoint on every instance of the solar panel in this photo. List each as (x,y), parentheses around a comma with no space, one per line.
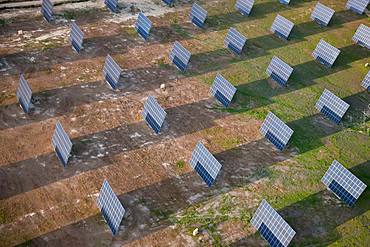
(357,6)
(343,183)
(77,37)
(366,82)
(223,90)
(322,14)
(276,131)
(282,27)
(111,72)
(168,2)
(205,164)
(24,94)
(61,143)
(362,36)
(325,53)
(153,114)
(143,26)
(198,15)
(244,6)
(286,2)
(180,56)
(47,10)
(332,106)
(272,226)
(110,207)
(279,71)
(235,41)
(112,5)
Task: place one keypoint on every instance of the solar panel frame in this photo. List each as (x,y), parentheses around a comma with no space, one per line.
(223,90)
(143,26)
(332,106)
(198,15)
(357,6)
(111,72)
(274,229)
(24,94)
(244,6)
(345,185)
(112,5)
(110,207)
(154,114)
(362,36)
(325,53)
(205,164)
(276,131)
(366,81)
(76,37)
(279,70)
(180,56)
(62,144)
(47,10)
(235,41)
(322,14)
(282,27)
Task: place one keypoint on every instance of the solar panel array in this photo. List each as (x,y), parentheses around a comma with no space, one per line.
(244,6)
(276,131)
(47,10)
(322,14)
(112,5)
(24,94)
(362,36)
(272,226)
(332,106)
(198,15)
(180,56)
(143,26)
(205,164)
(223,90)
(168,2)
(235,41)
(282,27)
(343,183)
(286,2)
(325,53)
(153,114)
(77,37)
(357,6)
(111,72)
(366,82)
(279,71)
(61,143)
(110,207)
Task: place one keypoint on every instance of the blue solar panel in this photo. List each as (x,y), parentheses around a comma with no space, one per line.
(282,27)
(77,37)
(180,56)
(153,114)
(343,183)
(366,82)
(168,2)
(198,15)
(47,10)
(112,5)
(223,90)
(322,14)
(235,41)
(205,164)
(332,106)
(244,6)
(273,228)
(279,71)
(357,6)
(362,36)
(61,143)
(24,94)
(286,2)
(143,26)
(111,72)
(325,53)
(110,207)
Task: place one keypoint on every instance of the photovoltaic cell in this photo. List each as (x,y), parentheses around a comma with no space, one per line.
(198,15)
(366,82)
(153,114)
(61,143)
(272,227)
(325,53)
(357,6)
(244,6)
(282,27)
(205,164)
(276,131)
(286,2)
(343,183)
(279,71)
(322,14)
(362,36)
(235,41)
(110,207)
(143,26)
(168,2)
(332,106)
(223,90)
(47,10)
(112,5)
(24,94)
(180,56)
(77,37)
(111,72)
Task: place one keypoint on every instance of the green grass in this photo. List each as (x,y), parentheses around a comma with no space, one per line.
(180,164)
(2,216)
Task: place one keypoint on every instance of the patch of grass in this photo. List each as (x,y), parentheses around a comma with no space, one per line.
(180,31)
(180,164)
(2,216)
(69,15)
(161,214)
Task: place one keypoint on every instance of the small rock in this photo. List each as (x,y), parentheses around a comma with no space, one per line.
(195,232)
(163,86)
(366,65)
(20,32)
